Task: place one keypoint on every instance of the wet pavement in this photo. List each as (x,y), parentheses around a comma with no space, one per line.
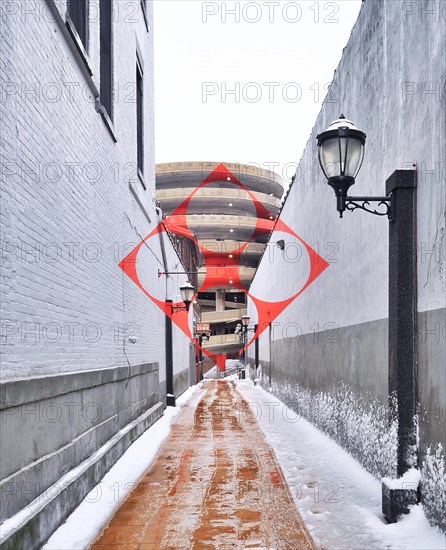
(215,484)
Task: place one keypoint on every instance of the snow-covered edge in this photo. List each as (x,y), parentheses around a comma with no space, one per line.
(433,484)
(360,425)
(25,514)
(89,519)
(412,532)
(409,480)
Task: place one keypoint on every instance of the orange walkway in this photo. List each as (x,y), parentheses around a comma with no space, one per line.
(215,484)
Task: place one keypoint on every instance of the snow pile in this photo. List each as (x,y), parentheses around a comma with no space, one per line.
(339,501)
(213,372)
(360,425)
(412,532)
(433,484)
(409,480)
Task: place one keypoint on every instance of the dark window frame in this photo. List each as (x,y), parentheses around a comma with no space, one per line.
(140,119)
(106,56)
(81,43)
(144,11)
(78,13)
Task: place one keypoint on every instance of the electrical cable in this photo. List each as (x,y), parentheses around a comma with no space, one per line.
(128,362)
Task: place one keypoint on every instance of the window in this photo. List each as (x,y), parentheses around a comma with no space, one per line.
(139,118)
(144,11)
(106,90)
(78,12)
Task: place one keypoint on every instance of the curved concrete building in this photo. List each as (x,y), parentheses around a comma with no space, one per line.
(231,210)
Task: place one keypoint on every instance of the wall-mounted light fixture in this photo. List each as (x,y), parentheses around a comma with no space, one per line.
(187,292)
(341,152)
(244,329)
(281,244)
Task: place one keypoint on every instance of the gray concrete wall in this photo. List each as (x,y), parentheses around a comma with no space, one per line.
(432,411)
(336,379)
(54,423)
(391,83)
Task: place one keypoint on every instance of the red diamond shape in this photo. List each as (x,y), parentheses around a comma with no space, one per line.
(215,275)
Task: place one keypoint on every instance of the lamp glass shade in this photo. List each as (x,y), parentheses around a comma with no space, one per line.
(341,149)
(187,292)
(355,157)
(245,320)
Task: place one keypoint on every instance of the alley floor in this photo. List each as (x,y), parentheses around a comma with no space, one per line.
(215,484)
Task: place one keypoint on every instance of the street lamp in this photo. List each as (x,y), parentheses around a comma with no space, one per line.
(187,292)
(341,153)
(245,322)
(242,329)
(200,336)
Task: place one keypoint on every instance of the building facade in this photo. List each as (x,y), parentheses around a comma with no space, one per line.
(326,355)
(83,369)
(230,209)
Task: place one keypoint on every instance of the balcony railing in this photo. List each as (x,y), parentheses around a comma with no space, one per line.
(227,316)
(221,339)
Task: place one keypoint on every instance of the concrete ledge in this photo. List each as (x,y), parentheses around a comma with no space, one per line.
(21,391)
(18,489)
(33,525)
(62,420)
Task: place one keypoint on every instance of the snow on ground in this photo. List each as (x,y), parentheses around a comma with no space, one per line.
(85,524)
(338,500)
(212,373)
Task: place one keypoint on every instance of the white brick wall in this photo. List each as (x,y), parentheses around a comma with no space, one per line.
(68,214)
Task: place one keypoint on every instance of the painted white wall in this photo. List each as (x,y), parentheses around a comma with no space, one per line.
(68,213)
(382,83)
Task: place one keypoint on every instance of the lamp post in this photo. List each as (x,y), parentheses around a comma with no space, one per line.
(245,323)
(341,152)
(245,329)
(239,331)
(200,336)
(187,293)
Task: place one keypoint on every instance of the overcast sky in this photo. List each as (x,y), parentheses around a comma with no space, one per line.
(244,81)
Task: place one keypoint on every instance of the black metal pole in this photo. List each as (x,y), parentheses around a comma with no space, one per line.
(200,355)
(245,341)
(170,398)
(256,350)
(270,356)
(402,335)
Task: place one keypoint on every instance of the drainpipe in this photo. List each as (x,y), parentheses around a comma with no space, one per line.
(170,396)
(270,356)
(256,351)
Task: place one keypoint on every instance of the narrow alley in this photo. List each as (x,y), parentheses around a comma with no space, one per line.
(222,275)
(214,484)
